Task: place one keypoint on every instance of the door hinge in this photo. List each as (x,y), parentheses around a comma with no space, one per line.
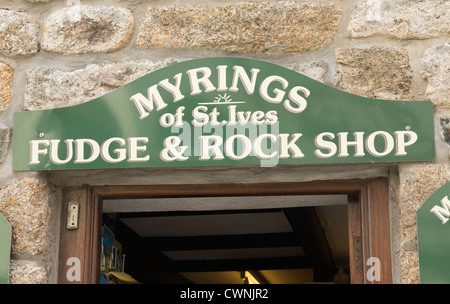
(357,248)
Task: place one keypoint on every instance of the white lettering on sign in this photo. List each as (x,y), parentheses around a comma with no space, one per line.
(361,145)
(213,145)
(202,118)
(200,82)
(77,149)
(246,135)
(443,213)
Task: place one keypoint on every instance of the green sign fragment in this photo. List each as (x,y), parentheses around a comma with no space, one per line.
(5,249)
(433,235)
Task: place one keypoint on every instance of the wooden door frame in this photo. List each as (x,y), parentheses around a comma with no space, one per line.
(368,220)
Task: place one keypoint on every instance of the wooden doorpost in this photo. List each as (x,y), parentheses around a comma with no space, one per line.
(79,247)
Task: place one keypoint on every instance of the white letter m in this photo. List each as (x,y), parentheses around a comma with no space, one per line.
(443,213)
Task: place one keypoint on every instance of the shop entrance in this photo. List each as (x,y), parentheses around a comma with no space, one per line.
(315,232)
(274,245)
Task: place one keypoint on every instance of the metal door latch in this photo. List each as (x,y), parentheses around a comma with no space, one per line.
(72,215)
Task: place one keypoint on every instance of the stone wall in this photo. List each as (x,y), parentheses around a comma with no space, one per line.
(55,53)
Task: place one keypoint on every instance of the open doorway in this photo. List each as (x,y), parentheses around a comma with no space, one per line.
(294,233)
(278,243)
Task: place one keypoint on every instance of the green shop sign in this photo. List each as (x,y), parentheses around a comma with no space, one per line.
(222,112)
(433,236)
